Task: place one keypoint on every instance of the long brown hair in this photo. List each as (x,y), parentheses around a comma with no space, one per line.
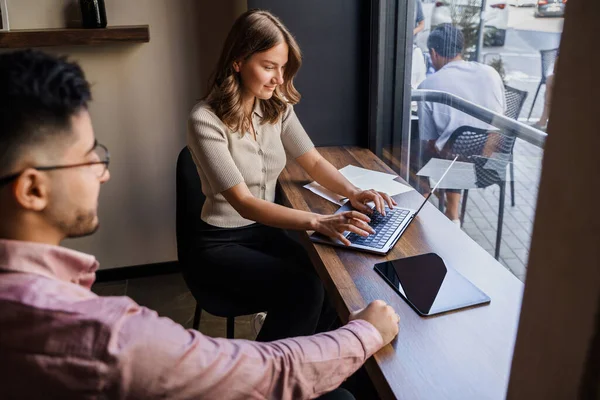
(253,32)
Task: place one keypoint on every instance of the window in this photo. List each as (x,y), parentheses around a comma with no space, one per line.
(483,98)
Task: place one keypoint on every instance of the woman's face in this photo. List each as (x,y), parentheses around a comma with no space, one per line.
(263,72)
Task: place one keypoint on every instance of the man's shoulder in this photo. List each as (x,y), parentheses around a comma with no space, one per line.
(438,80)
(482,71)
(448,77)
(53,296)
(488,69)
(60,312)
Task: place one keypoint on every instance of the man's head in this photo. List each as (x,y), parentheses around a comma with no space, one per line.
(445,44)
(51,166)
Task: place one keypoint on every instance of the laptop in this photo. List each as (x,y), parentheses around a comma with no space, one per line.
(388,229)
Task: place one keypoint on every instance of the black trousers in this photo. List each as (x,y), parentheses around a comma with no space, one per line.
(262,269)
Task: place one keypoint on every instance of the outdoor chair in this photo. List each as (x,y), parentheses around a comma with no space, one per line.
(514,99)
(490,152)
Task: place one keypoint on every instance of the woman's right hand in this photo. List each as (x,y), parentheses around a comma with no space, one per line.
(335,225)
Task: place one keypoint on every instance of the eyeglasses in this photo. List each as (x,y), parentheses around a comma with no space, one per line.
(99,167)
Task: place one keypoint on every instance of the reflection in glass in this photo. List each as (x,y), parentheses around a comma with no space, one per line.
(429,286)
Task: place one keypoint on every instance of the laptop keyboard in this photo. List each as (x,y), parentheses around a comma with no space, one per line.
(384,228)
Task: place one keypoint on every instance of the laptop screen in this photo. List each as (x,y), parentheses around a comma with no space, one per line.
(436,185)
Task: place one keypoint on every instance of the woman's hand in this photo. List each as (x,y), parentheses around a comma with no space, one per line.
(359,199)
(335,225)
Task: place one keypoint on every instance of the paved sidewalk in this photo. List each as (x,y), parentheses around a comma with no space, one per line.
(482,211)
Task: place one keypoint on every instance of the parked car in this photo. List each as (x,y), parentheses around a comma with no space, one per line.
(496,20)
(550,8)
(522,3)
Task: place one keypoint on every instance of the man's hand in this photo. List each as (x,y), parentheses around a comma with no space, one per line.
(382,317)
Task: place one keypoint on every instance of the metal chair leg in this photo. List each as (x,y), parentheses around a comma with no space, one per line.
(230,325)
(197,315)
(512,182)
(464,206)
(500,219)
(534,99)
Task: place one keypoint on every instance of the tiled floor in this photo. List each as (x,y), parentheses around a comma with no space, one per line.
(481,218)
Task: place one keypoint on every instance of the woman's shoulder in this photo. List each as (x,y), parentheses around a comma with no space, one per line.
(203,110)
(202,114)
(288,110)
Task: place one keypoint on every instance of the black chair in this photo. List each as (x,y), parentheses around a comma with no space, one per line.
(188,209)
(477,146)
(514,99)
(548,59)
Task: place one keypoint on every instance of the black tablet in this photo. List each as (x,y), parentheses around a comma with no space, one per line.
(429,286)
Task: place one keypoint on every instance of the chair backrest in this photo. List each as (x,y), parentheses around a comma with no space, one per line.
(489,151)
(514,99)
(548,59)
(189,200)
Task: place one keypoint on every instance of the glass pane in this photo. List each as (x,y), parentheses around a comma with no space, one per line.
(508,70)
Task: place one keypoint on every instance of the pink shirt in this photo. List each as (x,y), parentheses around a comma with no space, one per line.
(60,340)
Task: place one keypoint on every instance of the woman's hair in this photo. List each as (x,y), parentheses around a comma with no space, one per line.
(253,32)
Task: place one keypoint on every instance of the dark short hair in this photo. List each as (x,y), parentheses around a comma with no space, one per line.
(39,94)
(447,40)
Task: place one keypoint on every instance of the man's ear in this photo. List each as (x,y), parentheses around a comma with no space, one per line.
(31,190)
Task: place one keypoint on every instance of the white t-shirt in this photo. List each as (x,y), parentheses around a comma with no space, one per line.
(472,81)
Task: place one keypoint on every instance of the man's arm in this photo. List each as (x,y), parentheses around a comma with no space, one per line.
(158,357)
(427,127)
(420,26)
(419,17)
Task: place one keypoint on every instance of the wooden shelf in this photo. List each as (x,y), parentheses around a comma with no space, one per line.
(74,36)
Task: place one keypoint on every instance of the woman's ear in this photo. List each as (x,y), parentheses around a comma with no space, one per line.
(236,66)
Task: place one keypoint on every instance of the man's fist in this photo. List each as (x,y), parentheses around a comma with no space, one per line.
(382,317)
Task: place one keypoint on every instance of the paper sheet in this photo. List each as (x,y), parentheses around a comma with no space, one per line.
(352,171)
(325,193)
(460,176)
(364,179)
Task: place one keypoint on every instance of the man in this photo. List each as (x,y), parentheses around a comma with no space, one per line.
(419,18)
(60,340)
(472,81)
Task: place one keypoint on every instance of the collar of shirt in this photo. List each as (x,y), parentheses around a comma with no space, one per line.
(258,111)
(54,262)
(258,108)
(453,64)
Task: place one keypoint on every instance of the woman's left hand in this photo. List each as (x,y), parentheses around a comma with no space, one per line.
(361,197)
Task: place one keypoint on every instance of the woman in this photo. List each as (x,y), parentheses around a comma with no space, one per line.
(542,124)
(238,136)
